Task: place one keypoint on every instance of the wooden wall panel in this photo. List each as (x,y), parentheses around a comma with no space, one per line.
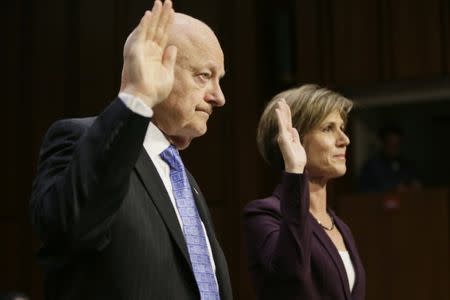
(403,241)
(416,38)
(445,23)
(312,34)
(49,67)
(420,234)
(348,43)
(98,69)
(8,122)
(10,255)
(357,41)
(247,92)
(307,42)
(16,250)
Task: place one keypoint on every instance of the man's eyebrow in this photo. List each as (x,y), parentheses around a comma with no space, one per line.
(215,72)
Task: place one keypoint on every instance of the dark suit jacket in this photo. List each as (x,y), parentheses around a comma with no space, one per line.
(108,227)
(290,256)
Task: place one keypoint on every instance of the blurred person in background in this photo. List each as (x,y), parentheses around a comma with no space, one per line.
(388,170)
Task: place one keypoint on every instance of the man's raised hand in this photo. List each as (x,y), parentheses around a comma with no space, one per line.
(148,68)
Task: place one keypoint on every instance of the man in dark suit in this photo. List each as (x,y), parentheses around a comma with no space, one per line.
(106,200)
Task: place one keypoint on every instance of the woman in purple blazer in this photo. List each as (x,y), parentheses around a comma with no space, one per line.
(297,247)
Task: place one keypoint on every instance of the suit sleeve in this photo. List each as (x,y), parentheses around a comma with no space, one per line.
(278,240)
(83,177)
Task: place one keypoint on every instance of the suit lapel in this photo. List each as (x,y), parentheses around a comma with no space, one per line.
(203,211)
(334,254)
(155,188)
(201,206)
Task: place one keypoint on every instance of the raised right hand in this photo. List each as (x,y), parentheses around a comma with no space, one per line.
(148,68)
(291,148)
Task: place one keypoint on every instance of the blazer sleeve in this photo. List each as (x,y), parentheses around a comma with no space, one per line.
(277,232)
(83,176)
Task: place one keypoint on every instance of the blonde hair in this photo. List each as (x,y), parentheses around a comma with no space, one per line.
(310,104)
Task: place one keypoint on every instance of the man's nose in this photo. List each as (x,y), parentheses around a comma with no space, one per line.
(216,96)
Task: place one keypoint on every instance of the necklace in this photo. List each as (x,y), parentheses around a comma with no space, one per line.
(325,227)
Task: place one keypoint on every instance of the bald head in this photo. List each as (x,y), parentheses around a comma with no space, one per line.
(190,35)
(182,21)
(185,26)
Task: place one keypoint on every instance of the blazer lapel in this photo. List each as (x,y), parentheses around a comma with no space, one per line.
(334,254)
(155,188)
(351,248)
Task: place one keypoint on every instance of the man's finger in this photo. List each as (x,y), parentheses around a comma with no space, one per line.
(165,21)
(152,24)
(170,57)
(141,29)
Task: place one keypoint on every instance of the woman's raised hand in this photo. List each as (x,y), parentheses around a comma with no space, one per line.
(288,139)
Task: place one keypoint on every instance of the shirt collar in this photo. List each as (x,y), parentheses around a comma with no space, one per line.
(155,141)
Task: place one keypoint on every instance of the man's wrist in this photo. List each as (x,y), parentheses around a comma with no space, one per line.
(294,169)
(136,104)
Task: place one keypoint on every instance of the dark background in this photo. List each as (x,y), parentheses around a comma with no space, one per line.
(63,59)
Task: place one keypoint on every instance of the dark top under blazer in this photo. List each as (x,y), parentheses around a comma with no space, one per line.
(290,256)
(108,227)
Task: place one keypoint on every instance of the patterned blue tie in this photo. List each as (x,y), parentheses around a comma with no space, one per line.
(192,226)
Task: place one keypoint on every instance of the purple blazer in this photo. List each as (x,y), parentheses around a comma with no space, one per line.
(290,256)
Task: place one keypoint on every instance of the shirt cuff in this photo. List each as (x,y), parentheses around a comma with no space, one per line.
(136,105)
